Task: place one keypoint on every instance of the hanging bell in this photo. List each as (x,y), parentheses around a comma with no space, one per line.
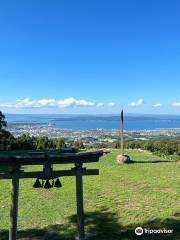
(37,184)
(57,183)
(47,185)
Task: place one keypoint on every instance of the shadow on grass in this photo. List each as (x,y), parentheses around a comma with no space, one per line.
(100,225)
(154,161)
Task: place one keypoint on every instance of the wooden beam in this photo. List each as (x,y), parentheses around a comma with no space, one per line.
(55,174)
(62,158)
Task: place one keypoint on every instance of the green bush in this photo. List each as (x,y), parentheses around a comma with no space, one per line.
(164,147)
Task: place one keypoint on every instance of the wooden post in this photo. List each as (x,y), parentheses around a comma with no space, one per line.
(122,133)
(14,207)
(80,205)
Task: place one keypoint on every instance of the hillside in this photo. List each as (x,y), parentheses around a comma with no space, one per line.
(121,198)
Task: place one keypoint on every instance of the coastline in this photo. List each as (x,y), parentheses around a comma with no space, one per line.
(92,135)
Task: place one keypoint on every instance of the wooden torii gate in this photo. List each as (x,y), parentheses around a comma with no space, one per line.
(47,159)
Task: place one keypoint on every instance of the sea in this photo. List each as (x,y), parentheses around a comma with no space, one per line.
(91,122)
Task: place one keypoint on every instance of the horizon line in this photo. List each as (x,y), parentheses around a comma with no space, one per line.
(90,114)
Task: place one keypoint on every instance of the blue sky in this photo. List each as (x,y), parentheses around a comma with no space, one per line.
(90,56)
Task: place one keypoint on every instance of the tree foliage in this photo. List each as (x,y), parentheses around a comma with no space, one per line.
(3,123)
(27,142)
(60,143)
(6,138)
(163,147)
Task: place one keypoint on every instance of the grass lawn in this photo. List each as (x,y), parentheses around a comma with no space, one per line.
(122,197)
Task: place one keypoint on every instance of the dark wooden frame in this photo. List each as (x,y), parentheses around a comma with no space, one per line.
(47,160)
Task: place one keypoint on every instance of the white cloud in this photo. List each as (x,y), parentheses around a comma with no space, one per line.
(68,102)
(177,104)
(157,105)
(27,102)
(62,103)
(138,103)
(45,102)
(100,104)
(110,104)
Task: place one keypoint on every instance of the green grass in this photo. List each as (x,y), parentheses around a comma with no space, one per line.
(122,197)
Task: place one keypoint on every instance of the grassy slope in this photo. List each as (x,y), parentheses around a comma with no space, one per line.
(121,198)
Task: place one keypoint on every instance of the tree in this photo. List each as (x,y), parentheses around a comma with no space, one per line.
(59,143)
(3,123)
(79,144)
(6,138)
(25,142)
(44,143)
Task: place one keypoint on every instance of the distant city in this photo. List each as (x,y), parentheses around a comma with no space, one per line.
(73,128)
